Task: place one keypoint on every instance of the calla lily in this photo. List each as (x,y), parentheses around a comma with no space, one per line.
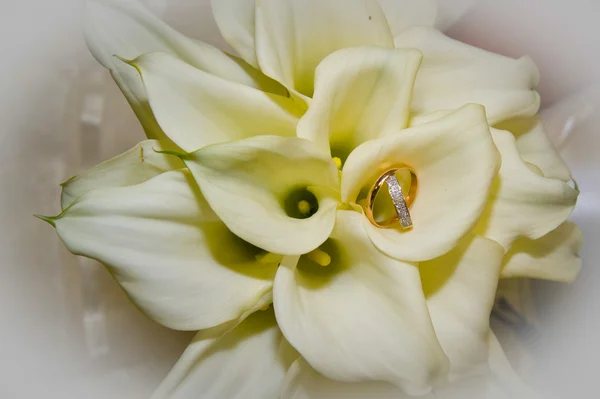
(524,204)
(186,101)
(254,355)
(536,149)
(252,184)
(454,73)
(360,94)
(162,243)
(452,314)
(253,192)
(554,256)
(255,170)
(288,48)
(452,192)
(108,22)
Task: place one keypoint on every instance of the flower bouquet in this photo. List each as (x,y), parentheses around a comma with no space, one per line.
(332,207)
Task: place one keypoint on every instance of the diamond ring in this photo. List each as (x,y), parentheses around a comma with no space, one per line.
(401,201)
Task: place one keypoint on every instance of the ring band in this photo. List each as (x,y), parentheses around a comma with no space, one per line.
(401,202)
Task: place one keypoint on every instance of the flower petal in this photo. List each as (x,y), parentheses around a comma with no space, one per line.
(236,19)
(450,12)
(128,29)
(245,362)
(460,288)
(453,74)
(256,185)
(293,36)
(554,257)
(303,382)
(169,251)
(455,162)
(365,311)
(403,14)
(499,381)
(536,148)
(135,166)
(507,383)
(196,109)
(523,203)
(360,94)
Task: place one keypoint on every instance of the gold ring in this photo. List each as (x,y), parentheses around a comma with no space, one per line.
(402,203)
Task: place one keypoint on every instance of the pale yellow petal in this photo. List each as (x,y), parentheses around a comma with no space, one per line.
(450,12)
(242,363)
(167,249)
(453,74)
(455,162)
(135,166)
(126,28)
(294,36)
(523,203)
(360,94)
(403,14)
(506,382)
(536,148)
(460,288)
(259,187)
(554,256)
(362,317)
(303,382)
(195,108)
(236,19)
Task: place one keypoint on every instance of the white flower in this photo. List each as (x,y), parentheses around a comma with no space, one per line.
(254,211)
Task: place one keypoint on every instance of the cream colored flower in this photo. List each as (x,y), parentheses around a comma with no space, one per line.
(254,210)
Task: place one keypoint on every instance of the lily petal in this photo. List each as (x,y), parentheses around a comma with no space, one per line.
(554,257)
(455,162)
(236,19)
(453,74)
(196,109)
(360,94)
(366,311)
(500,381)
(303,382)
(256,186)
(507,383)
(460,288)
(135,166)
(536,148)
(404,14)
(293,36)
(450,12)
(245,362)
(128,29)
(169,251)
(523,203)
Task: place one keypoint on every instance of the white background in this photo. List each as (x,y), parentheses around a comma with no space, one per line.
(67,331)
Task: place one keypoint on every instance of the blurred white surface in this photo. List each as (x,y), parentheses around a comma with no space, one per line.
(68,331)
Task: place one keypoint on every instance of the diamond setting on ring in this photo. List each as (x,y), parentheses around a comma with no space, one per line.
(399,203)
